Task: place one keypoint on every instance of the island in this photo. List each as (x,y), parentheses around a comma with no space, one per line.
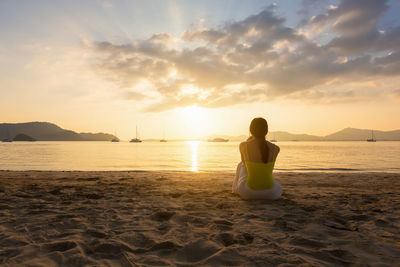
(23,137)
(46,131)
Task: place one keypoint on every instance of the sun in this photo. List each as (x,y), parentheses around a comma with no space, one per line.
(195,121)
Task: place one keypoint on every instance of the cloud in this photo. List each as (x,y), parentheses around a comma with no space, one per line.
(352,16)
(355,25)
(255,59)
(311,5)
(135,96)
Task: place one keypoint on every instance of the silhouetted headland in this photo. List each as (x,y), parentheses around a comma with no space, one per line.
(45,131)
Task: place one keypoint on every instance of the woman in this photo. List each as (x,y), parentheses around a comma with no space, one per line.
(254,174)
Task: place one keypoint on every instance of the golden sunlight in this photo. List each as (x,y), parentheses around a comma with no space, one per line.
(196,121)
(194,145)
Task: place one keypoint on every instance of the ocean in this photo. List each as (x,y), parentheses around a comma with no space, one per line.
(196,156)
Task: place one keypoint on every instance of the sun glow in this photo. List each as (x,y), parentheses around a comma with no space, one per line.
(194,145)
(195,120)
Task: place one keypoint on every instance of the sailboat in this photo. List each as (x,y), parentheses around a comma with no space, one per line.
(136,140)
(116,139)
(372,139)
(7,140)
(163,140)
(273,140)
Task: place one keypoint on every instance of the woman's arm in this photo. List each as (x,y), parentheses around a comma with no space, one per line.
(278,149)
(241,146)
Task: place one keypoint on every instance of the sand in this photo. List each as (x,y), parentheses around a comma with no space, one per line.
(184,218)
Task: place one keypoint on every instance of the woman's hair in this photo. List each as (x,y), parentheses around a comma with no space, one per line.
(259,129)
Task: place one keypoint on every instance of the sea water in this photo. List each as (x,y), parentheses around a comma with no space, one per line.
(196,156)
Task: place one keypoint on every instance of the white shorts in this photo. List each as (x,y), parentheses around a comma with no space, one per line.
(240,187)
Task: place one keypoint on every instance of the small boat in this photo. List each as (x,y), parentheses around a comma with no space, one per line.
(218,140)
(273,140)
(135,140)
(372,139)
(7,140)
(116,139)
(163,140)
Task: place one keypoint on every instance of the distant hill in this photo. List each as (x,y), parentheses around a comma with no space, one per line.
(347,134)
(352,134)
(278,135)
(230,138)
(285,136)
(23,137)
(45,131)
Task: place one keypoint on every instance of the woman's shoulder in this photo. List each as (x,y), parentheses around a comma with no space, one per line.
(273,146)
(242,145)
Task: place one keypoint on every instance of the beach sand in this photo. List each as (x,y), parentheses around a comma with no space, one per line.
(185,218)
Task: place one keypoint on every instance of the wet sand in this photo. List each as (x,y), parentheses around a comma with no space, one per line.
(184,218)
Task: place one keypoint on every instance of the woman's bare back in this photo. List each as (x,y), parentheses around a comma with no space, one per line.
(255,153)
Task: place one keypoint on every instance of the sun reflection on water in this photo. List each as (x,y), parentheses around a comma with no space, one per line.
(194,145)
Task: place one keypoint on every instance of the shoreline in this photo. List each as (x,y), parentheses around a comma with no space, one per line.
(231,172)
(123,218)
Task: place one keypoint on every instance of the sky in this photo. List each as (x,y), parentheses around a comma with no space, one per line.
(195,68)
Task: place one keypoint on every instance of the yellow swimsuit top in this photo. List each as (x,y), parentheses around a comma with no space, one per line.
(259,175)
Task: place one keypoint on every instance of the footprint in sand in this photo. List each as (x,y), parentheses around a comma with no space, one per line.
(223,222)
(197,251)
(223,225)
(60,246)
(246,238)
(228,239)
(55,191)
(163,215)
(164,245)
(111,249)
(95,233)
(303,242)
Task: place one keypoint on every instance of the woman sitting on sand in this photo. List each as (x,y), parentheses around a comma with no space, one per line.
(254,173)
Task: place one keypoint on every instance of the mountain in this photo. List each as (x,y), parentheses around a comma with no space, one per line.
(23,137)
(45,131)
(347,134)
(98,136)
(230,138)
(352,134)
(285,136)
(278,135)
